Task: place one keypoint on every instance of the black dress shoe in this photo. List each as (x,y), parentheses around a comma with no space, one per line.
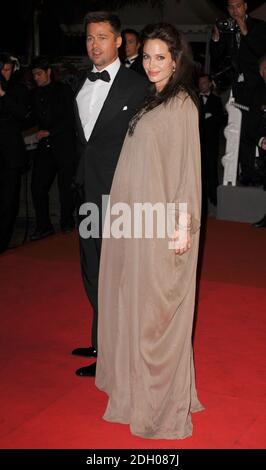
(39,234)
(261,223)
(87,352)
(87,371)
(67,229)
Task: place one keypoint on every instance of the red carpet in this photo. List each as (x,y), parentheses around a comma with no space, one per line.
(44,315)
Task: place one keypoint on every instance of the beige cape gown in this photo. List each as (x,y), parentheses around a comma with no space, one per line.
(146,291)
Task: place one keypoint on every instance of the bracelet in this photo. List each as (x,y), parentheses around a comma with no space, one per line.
(188,227)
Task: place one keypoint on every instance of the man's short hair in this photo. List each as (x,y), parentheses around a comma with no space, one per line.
(104,17)
(6,58)
(40,63)
(203,75)
(131,31)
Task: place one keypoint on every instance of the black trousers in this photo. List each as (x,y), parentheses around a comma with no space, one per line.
(209,173)
(244,95)
(46,165)
(90,252)
(247,149)
(10,182)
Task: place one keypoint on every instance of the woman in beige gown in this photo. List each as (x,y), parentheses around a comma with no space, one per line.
(146,290)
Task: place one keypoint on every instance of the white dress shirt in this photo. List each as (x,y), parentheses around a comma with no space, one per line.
(205,97)
(92,96)
(130,60)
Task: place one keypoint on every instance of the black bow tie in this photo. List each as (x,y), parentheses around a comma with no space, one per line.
(104,75)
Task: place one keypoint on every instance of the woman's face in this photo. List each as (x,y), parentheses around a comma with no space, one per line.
(158,62)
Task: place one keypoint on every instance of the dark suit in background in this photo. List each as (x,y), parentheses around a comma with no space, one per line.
(211,118)
(13,110)
(257,128)
(53,111)
(137,66)
(98,162)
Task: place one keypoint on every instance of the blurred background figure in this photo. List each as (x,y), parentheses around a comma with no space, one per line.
(130,51)
(211,119)
(53,112)
(257,130)
(13,111)
(236,45)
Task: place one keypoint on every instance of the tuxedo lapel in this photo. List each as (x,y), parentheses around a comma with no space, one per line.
(114,102)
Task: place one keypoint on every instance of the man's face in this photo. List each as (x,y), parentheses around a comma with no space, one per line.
(7,71)
(131,45)
(263,70)
(102,44)
(42,77)
(204,84)
(237,9)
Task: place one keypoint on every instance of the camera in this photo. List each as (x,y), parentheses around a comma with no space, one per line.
(45,142)
(227,25)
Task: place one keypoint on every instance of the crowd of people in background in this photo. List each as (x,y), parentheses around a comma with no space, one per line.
(34,98)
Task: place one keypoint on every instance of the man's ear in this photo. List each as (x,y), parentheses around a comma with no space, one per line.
(118,41)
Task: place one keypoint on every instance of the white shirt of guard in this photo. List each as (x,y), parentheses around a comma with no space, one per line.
(92,96)
(130,60)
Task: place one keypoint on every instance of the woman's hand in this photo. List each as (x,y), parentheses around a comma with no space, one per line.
(182,239)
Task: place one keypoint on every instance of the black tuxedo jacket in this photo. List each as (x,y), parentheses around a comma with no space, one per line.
(213,106)
(138,67)
(257,125)
(210,127)
(243,59)
(100,154)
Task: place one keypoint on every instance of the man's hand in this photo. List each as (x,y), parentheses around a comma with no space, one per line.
(2,92)
(263,143)
(242,25)
(42,134)
(215,34)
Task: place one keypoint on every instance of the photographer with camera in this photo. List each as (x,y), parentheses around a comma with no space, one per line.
(13,111)
(241,41)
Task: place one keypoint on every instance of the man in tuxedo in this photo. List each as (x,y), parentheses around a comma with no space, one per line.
(107,99)
(131,45)
(243,47)
(211,118)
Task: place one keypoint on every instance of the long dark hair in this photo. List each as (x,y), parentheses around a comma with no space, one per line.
(182,78)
